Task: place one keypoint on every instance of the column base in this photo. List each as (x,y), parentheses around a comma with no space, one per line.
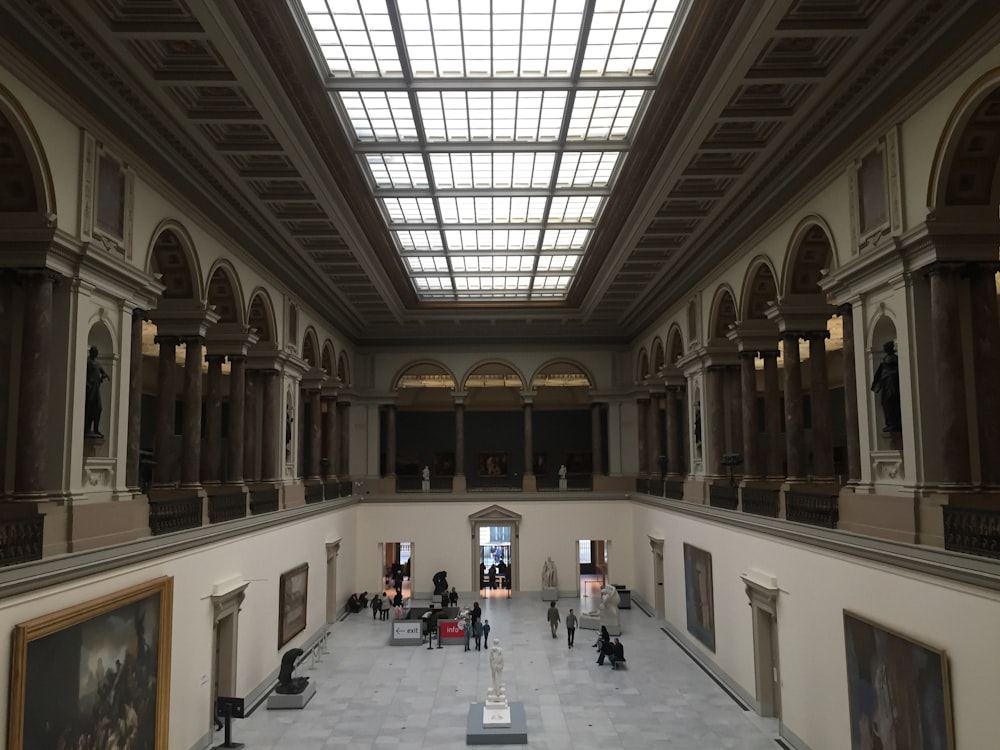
(458,483)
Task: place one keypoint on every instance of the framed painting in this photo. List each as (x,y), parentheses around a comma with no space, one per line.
(444,464)
(898,689)
(292,591)
(100,669)
(698,594)
(579,463)
(493,464)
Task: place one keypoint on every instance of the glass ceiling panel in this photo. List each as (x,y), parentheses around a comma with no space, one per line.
(491,132)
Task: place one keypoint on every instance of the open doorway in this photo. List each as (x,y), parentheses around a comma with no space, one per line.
(495,556)
(656,547)
(396,569)
(592,557)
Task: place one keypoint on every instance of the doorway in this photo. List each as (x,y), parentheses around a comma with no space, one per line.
(659,597)
(762,591)
(593,569)
(495,561)
(396,566)
(226,614)
(332,550)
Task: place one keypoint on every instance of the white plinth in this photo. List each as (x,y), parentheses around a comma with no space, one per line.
(496,715)
(550,594)
(562,484)
(425,485)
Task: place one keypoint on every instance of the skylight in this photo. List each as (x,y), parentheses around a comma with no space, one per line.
(491,131)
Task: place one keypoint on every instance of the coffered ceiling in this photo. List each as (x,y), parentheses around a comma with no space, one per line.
(752,102)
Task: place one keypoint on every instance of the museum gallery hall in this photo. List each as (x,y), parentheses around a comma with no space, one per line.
(681,314)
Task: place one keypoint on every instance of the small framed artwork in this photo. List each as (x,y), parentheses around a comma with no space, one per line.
(698,594)
(493,464)
(898,689)
(69,669)
(292,592)
(444,464)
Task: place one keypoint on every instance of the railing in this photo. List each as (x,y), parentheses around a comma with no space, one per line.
(673,489)
(761,501)
(816,510)
(441,484)
(579,481)
(722,496)
(642,485)
(408,483)
(656,487)
(345,488)
(314,493)
(227,507)
(21,539)
(263,501)
(972,531)
(167,516)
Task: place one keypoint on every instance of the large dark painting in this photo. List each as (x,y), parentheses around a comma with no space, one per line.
(444,464)
(897,689)
(493,464)
(292,591)
(95,675)
(698,594)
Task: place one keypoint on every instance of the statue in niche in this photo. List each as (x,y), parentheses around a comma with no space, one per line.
(288,685)
(550,577)
(440,582)
(92,399)
(886,385)
(697,425)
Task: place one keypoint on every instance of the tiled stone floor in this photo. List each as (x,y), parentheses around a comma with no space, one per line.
(372,695)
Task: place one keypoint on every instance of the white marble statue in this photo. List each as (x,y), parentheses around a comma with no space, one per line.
(496,669)
(562,471)
(609,603)
(426,473)
(550,578)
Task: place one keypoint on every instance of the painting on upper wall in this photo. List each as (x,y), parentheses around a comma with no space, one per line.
(897,689)
(444,464)
(698,594)
(493,464)
(292,590)
(97,672)
(579,463)
(540,463)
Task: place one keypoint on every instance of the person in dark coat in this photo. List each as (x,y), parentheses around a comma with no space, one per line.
(617,654)
(477,631)
(603,644)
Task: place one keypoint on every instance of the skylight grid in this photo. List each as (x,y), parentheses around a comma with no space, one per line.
(492,210)
(463,138)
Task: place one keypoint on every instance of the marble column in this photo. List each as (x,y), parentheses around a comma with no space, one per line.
(642,428)
(713,443)
(459,439)
(211,448)
(794,420)
(655,427)
(819,391)
(33,389)
(330,436)
(748,414)
(166,403)
(132,444)
(236,426)
(953,425)
(734,407)
(851,395)
(344,422)
(596,439)
(529,440)
(191,424)
(390,440)
(673,435)
(315,433)
(272,430)
(251,423)
(772,414)
(986,366)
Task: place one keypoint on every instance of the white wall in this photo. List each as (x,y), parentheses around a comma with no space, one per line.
(816,587)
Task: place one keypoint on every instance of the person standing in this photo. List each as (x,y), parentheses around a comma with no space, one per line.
(553,617)
(376,605)
(486,631)
(467,625)
(477,631)
(570,628)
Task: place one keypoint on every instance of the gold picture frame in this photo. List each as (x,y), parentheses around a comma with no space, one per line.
(293,591)
(80,665)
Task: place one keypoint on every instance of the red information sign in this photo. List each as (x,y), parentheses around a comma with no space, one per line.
(449,629)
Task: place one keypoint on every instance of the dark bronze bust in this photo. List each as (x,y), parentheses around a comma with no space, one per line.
(288,685)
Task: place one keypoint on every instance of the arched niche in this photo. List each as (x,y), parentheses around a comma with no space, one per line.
(28,194)
(723,313)
(310,348)
(967,163)
(101,337)
(562,384)
(260,317)
(760,290)
(675,345)
(425,386)
(224,293)
(657,357)
(493,385)
(173,258)
(329,357)
(344,370)
(810,254)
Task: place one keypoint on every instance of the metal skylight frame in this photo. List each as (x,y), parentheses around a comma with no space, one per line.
(491,131)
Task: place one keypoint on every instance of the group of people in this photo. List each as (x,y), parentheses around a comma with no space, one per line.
(357,602)
(475,627)
(498,575)
(382,604)
(615,652)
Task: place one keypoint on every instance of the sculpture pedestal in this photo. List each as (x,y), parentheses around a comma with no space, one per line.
(562,484)
(516,733)
(425,485)
(550,594)
(297,700)
(594,622)
(496,712)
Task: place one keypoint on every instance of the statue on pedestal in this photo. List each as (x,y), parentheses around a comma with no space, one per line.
(496,672)
(550,577)
(425,474)
(92,400)
(886,385)
(609,603)
(440,582)
(288,685)
(562,471)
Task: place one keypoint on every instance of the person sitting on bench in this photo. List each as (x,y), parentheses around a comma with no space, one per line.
(617,654)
